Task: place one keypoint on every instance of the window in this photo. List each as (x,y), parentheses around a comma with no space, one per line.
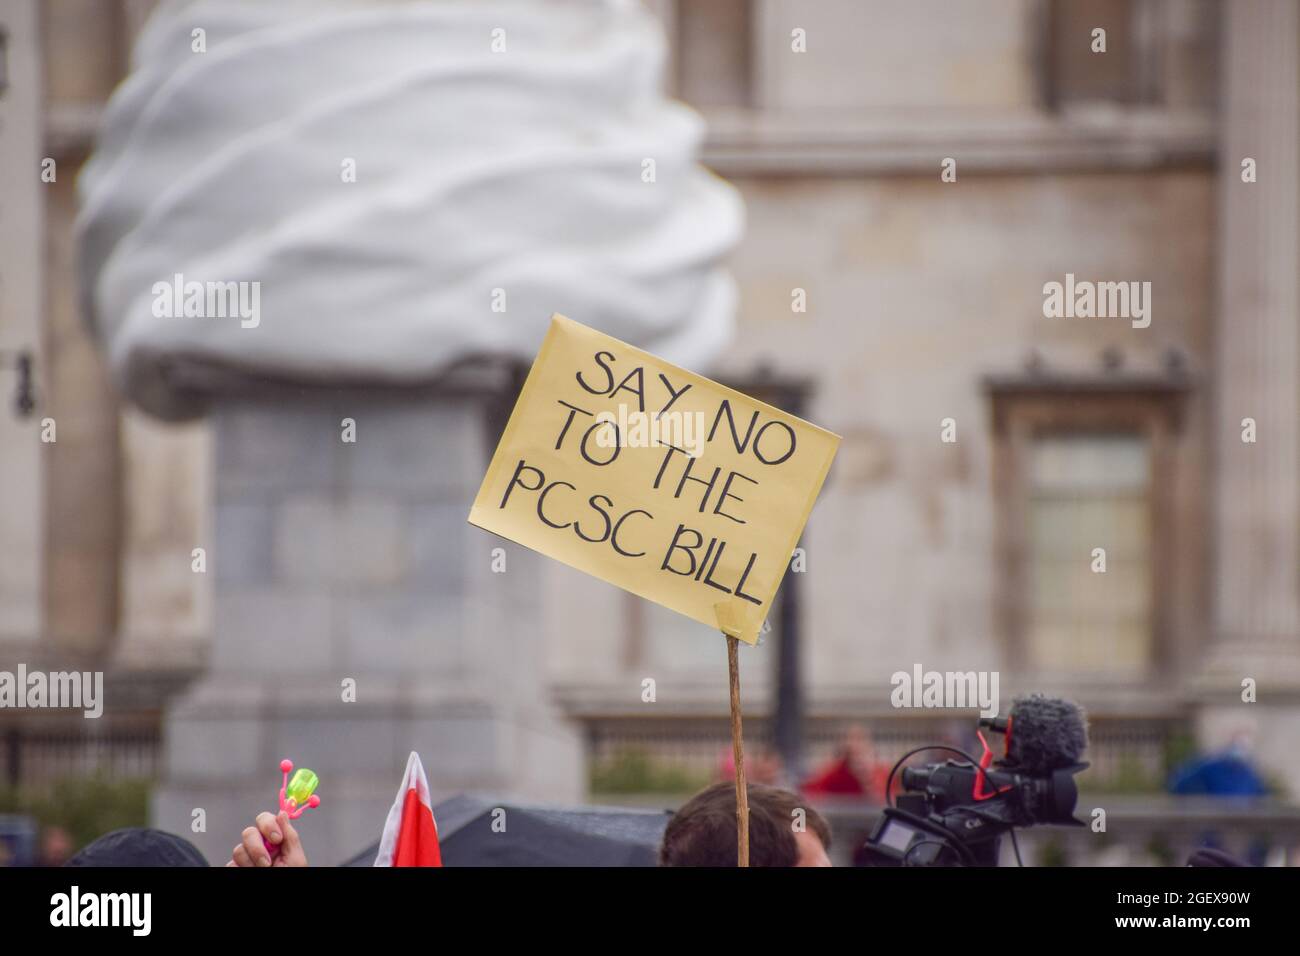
(1156,54)
(1082,464)
(712,47)
(1080,74)
(1085,492)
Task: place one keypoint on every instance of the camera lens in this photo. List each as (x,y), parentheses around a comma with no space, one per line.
(916,779)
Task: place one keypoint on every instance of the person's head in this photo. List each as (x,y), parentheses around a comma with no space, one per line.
(56,846)
(783,830)
(139,846)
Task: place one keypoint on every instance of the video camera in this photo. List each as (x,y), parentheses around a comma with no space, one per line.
(955,813)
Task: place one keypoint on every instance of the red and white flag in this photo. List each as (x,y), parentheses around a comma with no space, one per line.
(410,835)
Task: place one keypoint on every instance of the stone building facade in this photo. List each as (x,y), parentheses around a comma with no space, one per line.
(904,293)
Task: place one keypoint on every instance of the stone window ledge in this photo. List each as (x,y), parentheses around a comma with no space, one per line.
(747,142)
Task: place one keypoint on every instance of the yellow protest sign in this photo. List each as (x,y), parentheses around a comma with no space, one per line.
(653,478)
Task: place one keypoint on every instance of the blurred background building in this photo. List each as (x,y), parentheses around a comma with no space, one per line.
(913,174)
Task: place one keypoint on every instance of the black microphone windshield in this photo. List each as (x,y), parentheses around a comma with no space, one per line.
(1047,733)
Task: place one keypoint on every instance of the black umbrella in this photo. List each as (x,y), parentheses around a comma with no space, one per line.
(473,832)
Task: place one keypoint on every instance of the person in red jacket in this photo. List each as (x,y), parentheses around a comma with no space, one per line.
(854,771)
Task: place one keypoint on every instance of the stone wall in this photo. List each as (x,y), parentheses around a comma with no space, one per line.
(916,290)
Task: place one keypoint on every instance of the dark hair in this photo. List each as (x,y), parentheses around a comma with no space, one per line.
(139,846)
(703,831)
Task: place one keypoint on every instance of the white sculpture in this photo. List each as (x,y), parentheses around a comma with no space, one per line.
(399,186)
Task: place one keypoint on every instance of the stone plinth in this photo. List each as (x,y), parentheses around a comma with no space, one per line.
(338,561)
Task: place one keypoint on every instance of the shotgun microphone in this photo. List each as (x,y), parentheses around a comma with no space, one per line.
(1043,734)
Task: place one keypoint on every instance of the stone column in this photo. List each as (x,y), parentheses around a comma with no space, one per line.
(1256,631)
(339,561)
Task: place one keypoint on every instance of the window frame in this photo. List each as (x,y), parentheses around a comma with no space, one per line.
(1022,409)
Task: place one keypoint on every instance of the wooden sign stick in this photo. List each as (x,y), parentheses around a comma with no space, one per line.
(738,754)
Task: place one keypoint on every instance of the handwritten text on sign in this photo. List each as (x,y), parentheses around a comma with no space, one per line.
(655,479)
